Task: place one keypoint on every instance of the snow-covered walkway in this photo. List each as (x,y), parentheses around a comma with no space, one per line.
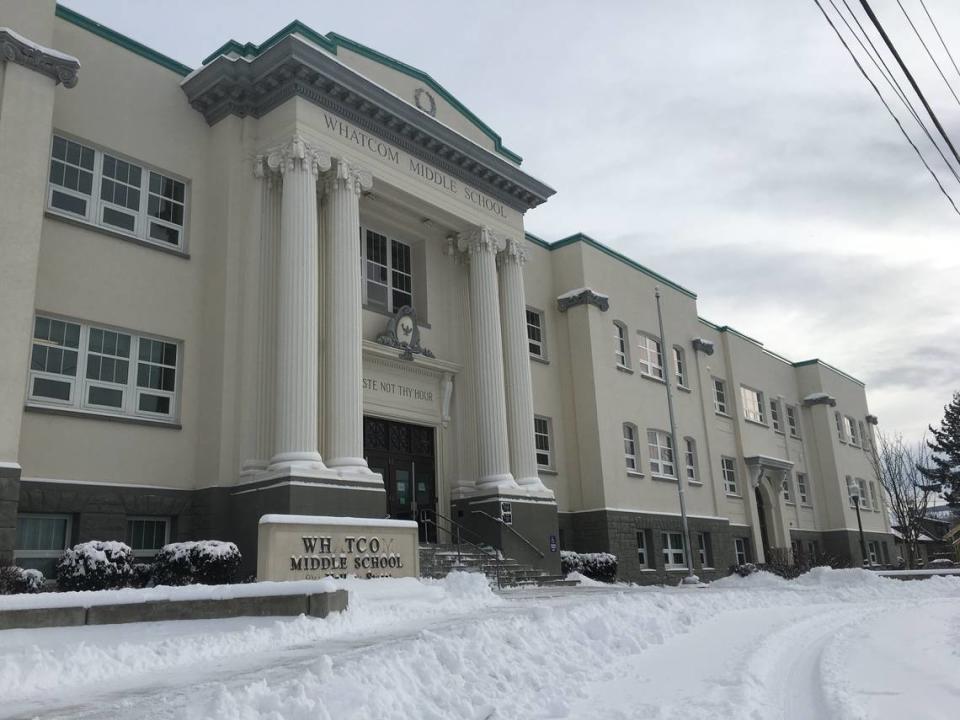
(833,644)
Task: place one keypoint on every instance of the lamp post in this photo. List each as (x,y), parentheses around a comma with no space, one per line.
(691,578)
(863,547)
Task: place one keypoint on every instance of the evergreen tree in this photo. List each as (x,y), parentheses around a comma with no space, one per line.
(945,457)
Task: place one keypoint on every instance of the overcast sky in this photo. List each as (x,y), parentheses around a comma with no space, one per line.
(731,146)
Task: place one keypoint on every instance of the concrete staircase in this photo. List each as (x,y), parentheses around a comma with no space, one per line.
(436,561)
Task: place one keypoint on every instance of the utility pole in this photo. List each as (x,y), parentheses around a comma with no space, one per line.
(667,350)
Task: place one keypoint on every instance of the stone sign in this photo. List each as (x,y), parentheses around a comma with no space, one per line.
(312,547)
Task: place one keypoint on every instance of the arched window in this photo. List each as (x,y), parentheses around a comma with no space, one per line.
(621,344)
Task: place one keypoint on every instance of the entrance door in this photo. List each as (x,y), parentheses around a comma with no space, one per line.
(762,517)
(404,455)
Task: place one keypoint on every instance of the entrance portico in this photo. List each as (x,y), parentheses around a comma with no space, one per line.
(770,528)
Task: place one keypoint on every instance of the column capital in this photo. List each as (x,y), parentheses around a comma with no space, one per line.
(62,68)
(347,175)
(480,240)
(513,251)
(298,155)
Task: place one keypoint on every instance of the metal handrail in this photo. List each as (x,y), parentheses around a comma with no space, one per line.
(497,556)
(510,528)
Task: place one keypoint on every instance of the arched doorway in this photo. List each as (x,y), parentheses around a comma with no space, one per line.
(762,517)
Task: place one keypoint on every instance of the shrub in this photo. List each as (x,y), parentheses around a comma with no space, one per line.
(744,570)
(208,562)
(15,580)
(95,565)
(941,563)
(596,566)
(141,575)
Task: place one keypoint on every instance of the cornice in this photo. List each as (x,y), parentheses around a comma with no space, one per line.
(19,50)
(584,296)
(293,67)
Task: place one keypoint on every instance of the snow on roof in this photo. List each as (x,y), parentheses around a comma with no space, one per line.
(574,293)
(38,47)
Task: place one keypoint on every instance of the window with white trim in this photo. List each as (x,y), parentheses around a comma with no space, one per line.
(535,342)
(541,436)
(630,447)
(650,356)
(621,344)
(690,459)
(873,551)
(680,366)
(850,425)
(740,550)
(720,396)
(704,550)
(852,492)
(864,497)
(40,541)
(729,467)
(661,453)
(643,554)
(88,367)
(146,535)
(874,496)
(840,430)
(792,421)
(388,272)
(864,438)
(787,497)
(674,553)
(124,196)
(752,404)
(802,488)
(775,415)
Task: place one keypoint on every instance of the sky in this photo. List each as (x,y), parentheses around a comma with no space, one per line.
(730,146)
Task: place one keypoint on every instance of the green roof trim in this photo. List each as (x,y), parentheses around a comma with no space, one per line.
(538,241)
(332,41)
(82,21)
(828,366)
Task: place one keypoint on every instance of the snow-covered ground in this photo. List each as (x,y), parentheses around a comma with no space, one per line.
(832,644)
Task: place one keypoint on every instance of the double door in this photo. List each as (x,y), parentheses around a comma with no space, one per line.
(404,455)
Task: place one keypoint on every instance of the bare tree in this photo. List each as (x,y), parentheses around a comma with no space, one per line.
(897,464)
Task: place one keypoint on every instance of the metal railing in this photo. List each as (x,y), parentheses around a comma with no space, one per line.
(510,528)
(456,532)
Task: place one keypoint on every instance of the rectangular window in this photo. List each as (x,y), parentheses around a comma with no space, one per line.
(704,550)
(720,396)
(146,535)
(850,425)
(729,467)
(661,453)
(506,512)
(630,447)
(873,551)
(40,541)
(64,351)
(535,333)
(621,347)
(740,550)
(864,439)
(643,555)
(874,496)
(680,366)
(132,198)
(787,498)
(650,357)
(752,404)
(862,490)
(674,554)
(541,435)
(792,421)
(388,272)
(840,430)
(852,492)
(885,552)
(802,488)
(690,459)
(775,415)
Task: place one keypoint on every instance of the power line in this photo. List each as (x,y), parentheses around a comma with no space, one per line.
(906,71)
(891,79)
(942,42)
(929,54)
(887,106)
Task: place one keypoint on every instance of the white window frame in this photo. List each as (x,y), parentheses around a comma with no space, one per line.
(793,421)
(44,554)
(548,435)
(659,444)
(680,367)
(96,203)
(650,356)
(74,381)
(541,344)
(874,495)
(720,404)
(850,428)
(702,551)
(740,551)
(841,431)
(132,390)
(621,344)
(643,551)
(803,488)
(389,285)
(851,491)
(690,460)
(753,404)
(787,494)
(670,548)
(864,439)
(147,552)
(728,469)
(775,415)
(632,461)
(873,552)
(864,497)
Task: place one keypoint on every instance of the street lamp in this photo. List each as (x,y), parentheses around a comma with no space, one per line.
(856,504)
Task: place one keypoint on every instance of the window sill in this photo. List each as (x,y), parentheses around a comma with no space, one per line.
(756,422)
(684,388)
(676,569)
(808,506)
(624,369)
(126,419)
(722,414)
(738,496)
(653,570)
(78,222)
(547,471)
(779,432)
(698,483)
(663,478)
(541,360)
(634,473)
(795,437)
(653,378)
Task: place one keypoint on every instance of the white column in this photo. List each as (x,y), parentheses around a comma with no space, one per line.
(494,458)
(343,338)
(297,352)
(516,366)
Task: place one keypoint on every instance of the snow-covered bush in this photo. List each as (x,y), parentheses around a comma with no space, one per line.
(207,562)
(941,563)
(596,566)
(95,565)
(141,575)
(744,569)
(15,580)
